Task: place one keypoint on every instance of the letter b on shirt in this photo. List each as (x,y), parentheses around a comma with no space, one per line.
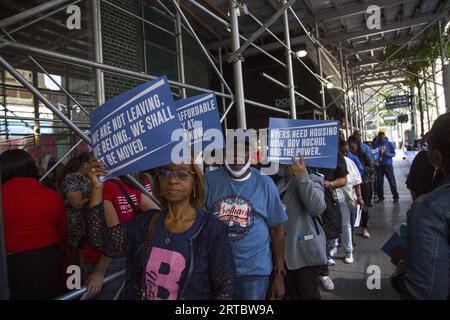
(168,267)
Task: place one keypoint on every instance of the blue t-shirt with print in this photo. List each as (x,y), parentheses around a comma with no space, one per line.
(248,208)
(168,263)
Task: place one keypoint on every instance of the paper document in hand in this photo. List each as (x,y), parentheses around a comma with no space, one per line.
(359,209)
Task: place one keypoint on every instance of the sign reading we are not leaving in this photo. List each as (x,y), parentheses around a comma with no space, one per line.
(132,132)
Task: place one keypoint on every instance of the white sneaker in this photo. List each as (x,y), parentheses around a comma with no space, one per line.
(326,283)
(331,262)
(348,258)
(333,252)
(366,233)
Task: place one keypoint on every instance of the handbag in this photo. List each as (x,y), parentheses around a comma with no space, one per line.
(148,243)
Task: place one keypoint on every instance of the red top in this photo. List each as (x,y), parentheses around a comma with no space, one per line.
(147,184)
(34,215)
(112,192)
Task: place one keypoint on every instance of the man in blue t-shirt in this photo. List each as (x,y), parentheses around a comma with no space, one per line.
(385,167)
(249,204)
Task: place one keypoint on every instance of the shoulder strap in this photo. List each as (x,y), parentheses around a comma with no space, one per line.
(148,244)
(127,196)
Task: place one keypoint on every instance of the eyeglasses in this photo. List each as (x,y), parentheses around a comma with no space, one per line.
(180,175)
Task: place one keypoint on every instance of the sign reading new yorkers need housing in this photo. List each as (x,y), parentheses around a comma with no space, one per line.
(316,140)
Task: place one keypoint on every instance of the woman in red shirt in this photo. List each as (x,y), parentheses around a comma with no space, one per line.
(121,201)
(35,223)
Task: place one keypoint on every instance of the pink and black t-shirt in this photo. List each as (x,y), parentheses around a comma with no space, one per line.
(168,263)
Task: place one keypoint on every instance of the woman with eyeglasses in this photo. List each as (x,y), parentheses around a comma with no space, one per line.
(179,252)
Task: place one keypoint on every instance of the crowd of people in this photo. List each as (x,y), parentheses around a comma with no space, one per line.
(225,232)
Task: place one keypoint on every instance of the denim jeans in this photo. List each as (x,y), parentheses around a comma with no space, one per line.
(346,235)
(388,171)
(251,287)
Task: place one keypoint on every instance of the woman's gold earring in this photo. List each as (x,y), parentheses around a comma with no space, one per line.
(194,193)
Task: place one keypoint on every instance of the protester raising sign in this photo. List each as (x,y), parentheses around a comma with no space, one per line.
(197,115)
(132,132)
(317,140)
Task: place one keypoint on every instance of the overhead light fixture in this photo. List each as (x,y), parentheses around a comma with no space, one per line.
(301,53)
(330,85)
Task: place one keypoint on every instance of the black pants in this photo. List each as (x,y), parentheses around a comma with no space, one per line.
(388,171)
(370,188)
(365,192)
(302,284)
(35,274)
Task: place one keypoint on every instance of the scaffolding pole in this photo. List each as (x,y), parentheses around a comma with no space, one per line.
(98,51)
(180,53)
(115,70)
(341,67)
(289,69)
(264,75)
(26,25)
(4,286)
(63,117)
(30,12)
(61,160)
(222,89)
(199,42)
(237,66)
(236,54)
(227,26)
(322,87)
(49,76)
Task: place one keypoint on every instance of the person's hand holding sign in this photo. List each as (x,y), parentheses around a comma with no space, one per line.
(299,166)
(96,169)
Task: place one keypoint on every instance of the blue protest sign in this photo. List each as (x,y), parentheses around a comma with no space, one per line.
(317,140)
(197,115)
(132,132)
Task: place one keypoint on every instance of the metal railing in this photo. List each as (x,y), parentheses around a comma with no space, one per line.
(72,295)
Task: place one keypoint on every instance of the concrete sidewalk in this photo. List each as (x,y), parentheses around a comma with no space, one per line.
(350,280)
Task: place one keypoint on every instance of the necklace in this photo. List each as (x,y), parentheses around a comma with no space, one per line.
(168,234)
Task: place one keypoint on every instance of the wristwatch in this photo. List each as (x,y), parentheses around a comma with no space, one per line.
(281,272)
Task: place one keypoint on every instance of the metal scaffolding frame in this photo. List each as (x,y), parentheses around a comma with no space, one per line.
(349,82)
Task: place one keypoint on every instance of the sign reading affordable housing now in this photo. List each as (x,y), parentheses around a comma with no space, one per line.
(316,140)
(197,115)
(132,132)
